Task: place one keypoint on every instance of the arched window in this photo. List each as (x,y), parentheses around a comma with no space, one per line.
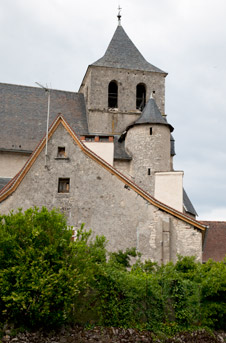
(113,94)
(140,96)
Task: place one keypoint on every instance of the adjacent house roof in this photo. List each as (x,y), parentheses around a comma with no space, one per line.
(215,241)
(122,53)
(14,183)
(23,113)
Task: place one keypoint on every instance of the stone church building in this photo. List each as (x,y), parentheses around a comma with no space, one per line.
(108,157)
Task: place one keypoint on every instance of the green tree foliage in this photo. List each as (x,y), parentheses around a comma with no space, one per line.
(48,279)
(42,272)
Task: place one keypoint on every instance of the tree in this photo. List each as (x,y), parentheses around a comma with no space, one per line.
(42,271)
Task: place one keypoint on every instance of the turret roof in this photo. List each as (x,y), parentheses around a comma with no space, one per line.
(152,115)
(122,53)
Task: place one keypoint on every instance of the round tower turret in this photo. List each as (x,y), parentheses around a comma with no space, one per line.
(147,140)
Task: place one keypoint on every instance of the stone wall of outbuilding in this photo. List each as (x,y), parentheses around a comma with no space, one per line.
(104,203)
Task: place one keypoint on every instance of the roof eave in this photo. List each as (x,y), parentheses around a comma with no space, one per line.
(141,70)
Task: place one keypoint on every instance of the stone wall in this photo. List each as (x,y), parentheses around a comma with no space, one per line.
(150,153)
(95,89)
(103,202)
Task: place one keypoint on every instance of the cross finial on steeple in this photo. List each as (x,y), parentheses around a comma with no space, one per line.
(119,15)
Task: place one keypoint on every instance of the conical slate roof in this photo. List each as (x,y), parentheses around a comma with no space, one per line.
(122,53)
(152,115)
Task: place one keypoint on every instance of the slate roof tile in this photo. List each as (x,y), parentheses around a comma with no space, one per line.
(23,112)
(189,208)
(122,53)
(152,115)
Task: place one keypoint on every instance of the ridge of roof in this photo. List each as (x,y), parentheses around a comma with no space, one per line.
(35,87)
(122,53)
(14,183)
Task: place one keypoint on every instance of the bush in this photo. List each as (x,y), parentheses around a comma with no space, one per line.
(42,272)
(48,280)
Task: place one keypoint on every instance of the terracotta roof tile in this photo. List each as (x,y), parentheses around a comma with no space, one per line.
(215,241)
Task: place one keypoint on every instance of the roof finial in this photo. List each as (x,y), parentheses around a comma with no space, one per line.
(119,15)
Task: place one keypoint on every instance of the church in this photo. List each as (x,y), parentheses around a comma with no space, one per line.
(107,159)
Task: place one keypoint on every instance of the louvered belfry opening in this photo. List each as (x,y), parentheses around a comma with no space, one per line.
(140,96)
(113,94)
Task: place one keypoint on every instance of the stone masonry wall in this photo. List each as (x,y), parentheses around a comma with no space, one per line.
(100,200)
(148,152)
(104,120)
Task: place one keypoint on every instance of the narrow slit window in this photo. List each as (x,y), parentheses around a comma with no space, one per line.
(113,94)
(140,96)
(149,171)
(61,151)
(63,185)
(150,131)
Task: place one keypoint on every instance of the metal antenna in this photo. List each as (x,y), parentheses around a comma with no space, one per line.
(47,121)
(119,15)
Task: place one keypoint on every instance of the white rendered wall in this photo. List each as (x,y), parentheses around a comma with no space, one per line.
(103,149)
(169,189)
(11,163)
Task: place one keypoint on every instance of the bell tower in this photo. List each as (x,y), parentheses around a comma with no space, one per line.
(117,86)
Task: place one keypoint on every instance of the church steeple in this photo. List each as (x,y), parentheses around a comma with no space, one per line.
(122,53)
(116,87)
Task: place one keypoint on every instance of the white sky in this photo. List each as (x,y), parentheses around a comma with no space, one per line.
(53,42)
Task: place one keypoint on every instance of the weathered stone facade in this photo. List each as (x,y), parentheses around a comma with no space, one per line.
(150,153)
(102,119)
(136,140)
(103,202)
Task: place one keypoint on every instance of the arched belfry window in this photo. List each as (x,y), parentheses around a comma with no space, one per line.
(140,96)
(113,94)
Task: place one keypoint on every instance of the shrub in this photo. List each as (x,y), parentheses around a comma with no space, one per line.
(42,272)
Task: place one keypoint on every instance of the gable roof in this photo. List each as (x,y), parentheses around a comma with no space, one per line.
(14,183)
(23,112)
(215,241)
(122,53)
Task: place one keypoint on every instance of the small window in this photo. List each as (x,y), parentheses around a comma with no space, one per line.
(64,185)
(113,94)
(140,96)
(61,151)
(149,171)
(150,131)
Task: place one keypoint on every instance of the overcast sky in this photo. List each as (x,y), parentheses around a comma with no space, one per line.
(53,42)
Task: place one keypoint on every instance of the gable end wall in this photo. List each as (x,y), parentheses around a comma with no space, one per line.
(100,200)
